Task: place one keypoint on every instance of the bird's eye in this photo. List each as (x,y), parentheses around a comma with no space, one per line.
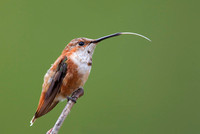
(81,43)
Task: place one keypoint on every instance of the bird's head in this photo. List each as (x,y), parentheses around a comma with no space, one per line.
(86,46)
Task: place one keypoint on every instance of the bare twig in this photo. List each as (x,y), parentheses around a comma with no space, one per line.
(77,94)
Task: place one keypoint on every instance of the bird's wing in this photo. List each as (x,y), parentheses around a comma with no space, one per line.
(47,102)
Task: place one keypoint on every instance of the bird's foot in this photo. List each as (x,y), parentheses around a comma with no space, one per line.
(73,99)
(75,95)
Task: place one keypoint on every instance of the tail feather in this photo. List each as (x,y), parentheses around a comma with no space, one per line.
(32,121)
(40,112)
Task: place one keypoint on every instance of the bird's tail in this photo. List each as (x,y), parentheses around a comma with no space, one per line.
(32,121)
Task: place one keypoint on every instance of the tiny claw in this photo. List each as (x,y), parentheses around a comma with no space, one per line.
(73,99)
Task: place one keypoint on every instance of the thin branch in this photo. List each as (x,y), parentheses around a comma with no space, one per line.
(77,94)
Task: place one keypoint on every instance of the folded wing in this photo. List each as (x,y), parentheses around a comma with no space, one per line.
(47,100)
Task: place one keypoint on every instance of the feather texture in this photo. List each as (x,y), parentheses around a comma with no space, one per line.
(47,100)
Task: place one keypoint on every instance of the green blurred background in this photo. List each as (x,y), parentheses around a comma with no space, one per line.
(135,87)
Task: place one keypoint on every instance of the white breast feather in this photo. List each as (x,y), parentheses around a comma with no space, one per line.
(81,58)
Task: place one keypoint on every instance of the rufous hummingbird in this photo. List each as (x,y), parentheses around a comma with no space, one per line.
(69,72)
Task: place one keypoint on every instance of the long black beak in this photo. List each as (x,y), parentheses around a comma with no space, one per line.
(117,34)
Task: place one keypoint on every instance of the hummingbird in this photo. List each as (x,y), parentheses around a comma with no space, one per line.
(69,72)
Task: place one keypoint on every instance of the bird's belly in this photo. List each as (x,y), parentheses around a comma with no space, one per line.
(73,80)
